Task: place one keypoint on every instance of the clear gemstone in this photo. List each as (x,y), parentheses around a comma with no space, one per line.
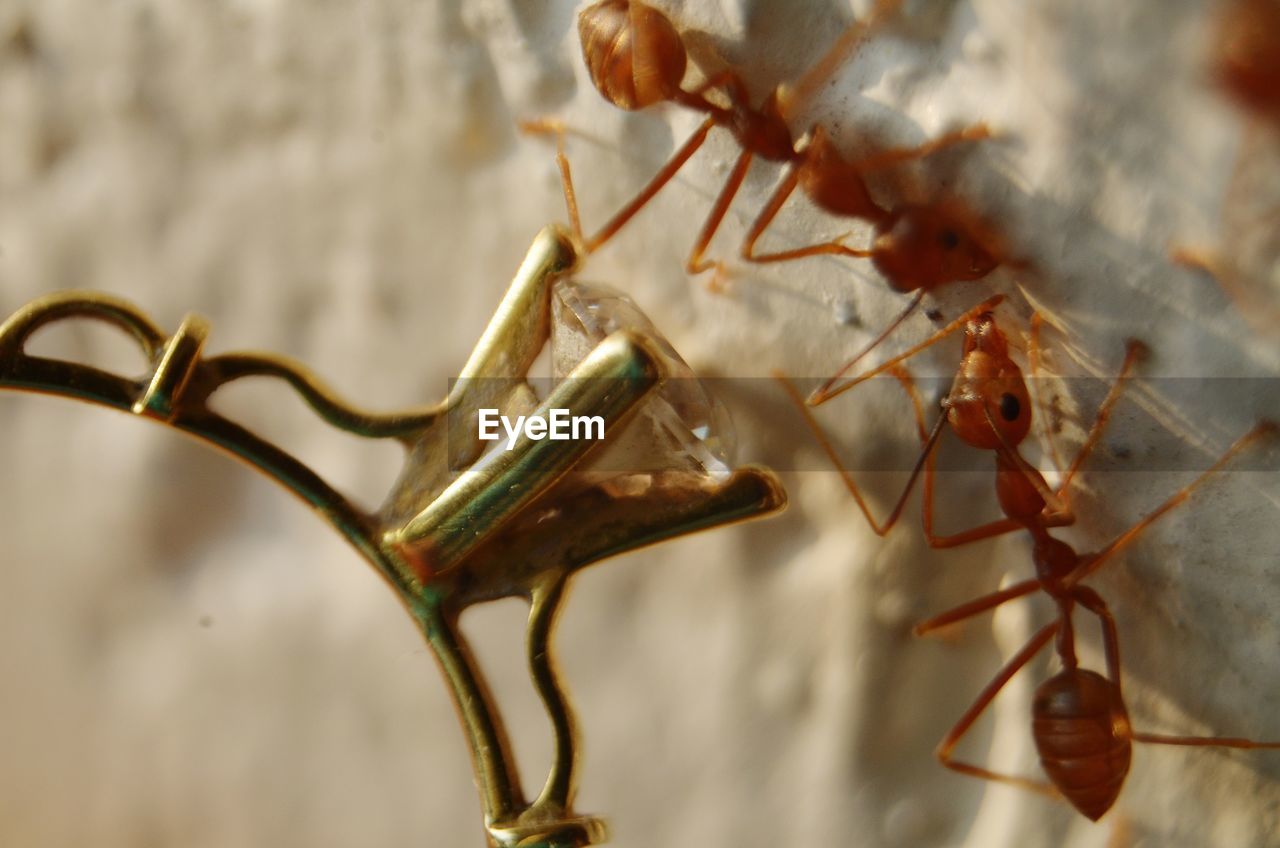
(683,412)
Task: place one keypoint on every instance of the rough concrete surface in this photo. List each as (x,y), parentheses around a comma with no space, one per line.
(189,658)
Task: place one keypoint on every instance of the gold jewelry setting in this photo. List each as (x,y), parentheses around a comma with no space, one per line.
(470,521)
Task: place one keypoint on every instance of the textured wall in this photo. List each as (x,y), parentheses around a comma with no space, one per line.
(190,659)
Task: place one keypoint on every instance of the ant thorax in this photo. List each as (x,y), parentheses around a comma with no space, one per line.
(1018,494)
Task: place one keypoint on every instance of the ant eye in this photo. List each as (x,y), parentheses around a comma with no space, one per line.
(1010,408)
(949,239)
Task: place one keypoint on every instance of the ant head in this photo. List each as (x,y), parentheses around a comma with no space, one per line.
(922,247)
(989,406)
(633,52)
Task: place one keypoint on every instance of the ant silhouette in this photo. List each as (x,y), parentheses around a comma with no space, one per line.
(637,58)
(1079,721)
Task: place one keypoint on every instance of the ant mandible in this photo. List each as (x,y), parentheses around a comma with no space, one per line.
(637,58)
(1079,721)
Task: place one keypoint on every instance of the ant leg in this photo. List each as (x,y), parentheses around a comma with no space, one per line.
(898,155)
(917,403)
(1188,741)
(837,246)
(977,606)
(1133,351)
(829,389)
(1033,362)
(797,96)
(547,126)
(1093,602)
(1202,741)
(646,194)
(1261,430)
(864,208)
(953,737)
(930,440)
(790,180)
(770,211)
(626,213)
(965,537)
(869,212)
(912,306)
(695,263)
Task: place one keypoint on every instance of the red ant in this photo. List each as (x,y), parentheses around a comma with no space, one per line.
(1079,722)
(987,372)
(637,58)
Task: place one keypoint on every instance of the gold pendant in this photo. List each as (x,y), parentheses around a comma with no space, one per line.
(465,524)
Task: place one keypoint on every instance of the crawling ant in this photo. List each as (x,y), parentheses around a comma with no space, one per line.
(1079,721)
(986,371)
(637,58)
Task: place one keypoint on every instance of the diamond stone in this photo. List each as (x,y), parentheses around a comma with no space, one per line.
(688,426)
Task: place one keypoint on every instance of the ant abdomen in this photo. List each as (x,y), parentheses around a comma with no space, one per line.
(633,53)
(1082,732)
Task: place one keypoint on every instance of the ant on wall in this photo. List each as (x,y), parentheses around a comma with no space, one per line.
(985,370)
(1079,721)
(637,58)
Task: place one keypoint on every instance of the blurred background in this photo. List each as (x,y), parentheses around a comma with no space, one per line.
(190,658)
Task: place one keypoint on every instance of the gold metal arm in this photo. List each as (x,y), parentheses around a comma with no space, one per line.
(460,526)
